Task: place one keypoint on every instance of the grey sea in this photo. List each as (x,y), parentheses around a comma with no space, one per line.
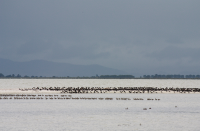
(172,112)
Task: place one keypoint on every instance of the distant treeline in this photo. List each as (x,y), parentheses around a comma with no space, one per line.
(156,76)
(78,77)
(117,76)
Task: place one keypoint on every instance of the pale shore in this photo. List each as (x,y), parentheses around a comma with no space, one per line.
(28,92)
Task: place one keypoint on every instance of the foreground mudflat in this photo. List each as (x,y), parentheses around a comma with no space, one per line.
(89,112)
(52,110)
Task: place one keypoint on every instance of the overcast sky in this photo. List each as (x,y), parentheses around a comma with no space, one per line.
(137,36)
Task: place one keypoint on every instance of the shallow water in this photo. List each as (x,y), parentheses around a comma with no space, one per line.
(102,114)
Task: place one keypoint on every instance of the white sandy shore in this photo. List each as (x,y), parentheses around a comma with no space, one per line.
(28,92)
(13,91)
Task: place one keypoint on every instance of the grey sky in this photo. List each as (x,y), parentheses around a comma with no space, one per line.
(140,37)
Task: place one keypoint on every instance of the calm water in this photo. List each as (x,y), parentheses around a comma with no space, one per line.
(102,114)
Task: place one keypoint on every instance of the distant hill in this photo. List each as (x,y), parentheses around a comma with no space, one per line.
(48,68)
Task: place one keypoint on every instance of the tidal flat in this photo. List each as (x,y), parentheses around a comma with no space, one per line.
(98,111)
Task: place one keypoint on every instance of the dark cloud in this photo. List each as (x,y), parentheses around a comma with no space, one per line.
(173,52)
(34,47)
(174,40)
(126,35)
(77,51)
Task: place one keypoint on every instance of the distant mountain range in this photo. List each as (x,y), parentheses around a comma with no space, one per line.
(48,68)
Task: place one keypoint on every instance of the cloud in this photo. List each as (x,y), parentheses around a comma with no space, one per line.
(76,51)
(174,40)
(173,52)
(34,46)
(175,59)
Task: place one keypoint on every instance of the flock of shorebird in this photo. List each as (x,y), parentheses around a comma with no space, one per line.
(67,97)
(62,97)
(71,90)
(114,89)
